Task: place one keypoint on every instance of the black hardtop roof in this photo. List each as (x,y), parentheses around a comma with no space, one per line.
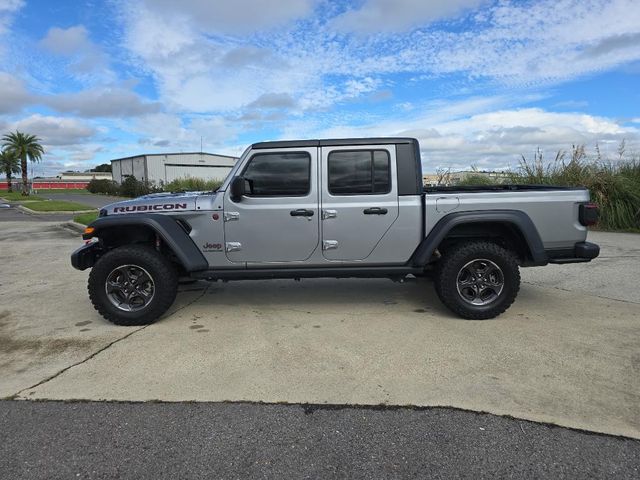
(334,142)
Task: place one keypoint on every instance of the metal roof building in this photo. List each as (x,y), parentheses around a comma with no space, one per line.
(166,167)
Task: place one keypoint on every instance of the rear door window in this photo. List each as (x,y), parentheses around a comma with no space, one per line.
(359,172)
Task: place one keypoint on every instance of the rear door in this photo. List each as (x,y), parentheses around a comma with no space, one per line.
(277,220)
(359,199)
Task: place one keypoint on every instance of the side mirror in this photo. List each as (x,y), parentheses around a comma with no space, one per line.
(237,189)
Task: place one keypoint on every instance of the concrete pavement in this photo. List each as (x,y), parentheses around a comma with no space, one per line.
(559,355)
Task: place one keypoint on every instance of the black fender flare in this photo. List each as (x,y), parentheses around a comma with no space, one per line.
(517,218)
(166,227)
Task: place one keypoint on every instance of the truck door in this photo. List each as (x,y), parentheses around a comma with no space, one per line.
(277,220)
(359,200)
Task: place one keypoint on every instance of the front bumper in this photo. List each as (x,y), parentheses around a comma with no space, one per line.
(581,252)
(86,256)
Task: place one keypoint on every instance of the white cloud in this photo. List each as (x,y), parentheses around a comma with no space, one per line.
(55,131)
(518,45)
(168,132)
(13,94)
(8,9)
(239,16)
(74,42)
(475,132)
(68,41)
(399,15)
(102,102)
(273,100)
(548,41)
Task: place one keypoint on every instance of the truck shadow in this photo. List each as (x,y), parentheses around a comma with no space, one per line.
(348,295)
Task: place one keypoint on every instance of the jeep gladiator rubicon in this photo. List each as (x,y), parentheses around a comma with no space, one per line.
(332,208)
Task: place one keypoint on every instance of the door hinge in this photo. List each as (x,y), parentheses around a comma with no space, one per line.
(231,216)
(329,244)
(233,246)
(329,214)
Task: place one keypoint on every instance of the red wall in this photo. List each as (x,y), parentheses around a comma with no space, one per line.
(39,185)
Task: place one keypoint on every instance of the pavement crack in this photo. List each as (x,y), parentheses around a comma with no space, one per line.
(94,354)
(100,350)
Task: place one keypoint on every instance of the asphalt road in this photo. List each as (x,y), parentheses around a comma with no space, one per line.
(12,214)
(207,440)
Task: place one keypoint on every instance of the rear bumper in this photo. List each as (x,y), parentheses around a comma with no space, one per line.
(86,256)
(581,252)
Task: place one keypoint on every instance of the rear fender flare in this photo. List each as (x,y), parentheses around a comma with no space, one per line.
(516,218)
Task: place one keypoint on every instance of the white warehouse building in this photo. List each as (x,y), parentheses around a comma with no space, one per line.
(166,167)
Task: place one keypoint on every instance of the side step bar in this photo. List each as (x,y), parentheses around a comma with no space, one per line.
(318,272)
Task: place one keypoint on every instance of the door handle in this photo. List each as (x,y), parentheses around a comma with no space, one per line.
(375,211)
(301,212)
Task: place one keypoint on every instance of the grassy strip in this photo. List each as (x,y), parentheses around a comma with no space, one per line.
(57,206)
(80,191)
(85,218)
(17,196)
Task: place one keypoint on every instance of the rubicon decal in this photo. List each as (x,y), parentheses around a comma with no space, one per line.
(148,208)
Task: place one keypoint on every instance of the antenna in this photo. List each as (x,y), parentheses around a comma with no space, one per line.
(200,144)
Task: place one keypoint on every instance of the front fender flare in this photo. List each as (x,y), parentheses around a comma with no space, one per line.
(166,227)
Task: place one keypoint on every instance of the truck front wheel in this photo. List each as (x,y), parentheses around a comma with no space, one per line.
(477,280)
(132,285)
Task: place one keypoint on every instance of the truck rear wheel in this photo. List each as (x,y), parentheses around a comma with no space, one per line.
(132,285)
(477,280)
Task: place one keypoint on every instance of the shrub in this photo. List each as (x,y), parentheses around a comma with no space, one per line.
(132,187)
(104,186)
(190,184)
(476,179)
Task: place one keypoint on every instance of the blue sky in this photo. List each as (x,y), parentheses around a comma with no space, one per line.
(477,82)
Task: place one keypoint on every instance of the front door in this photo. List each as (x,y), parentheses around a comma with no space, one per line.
(359,200)
(277,219)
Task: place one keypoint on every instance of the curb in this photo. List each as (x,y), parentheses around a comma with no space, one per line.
(78,227)
(64,212)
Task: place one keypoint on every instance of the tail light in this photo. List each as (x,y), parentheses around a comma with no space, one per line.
(588,214)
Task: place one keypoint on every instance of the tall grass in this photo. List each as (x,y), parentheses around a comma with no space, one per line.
(614,185)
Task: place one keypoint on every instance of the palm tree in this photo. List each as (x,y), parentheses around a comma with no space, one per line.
(9,164)
(23,146)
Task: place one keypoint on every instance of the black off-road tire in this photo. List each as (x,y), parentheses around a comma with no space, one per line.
(460,255)
(162,272)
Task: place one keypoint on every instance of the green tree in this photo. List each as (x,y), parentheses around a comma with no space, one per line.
(103,167)
(23,146)
(9,164)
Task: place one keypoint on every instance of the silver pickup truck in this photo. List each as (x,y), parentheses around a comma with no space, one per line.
(332,208)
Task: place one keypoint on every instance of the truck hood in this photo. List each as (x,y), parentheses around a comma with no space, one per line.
(155,203)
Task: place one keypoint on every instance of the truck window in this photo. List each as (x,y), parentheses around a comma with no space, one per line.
(359,172)
(279,174)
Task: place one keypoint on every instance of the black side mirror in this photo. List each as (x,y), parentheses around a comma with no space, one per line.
(237,189)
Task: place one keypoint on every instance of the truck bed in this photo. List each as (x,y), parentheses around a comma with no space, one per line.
(496,188)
